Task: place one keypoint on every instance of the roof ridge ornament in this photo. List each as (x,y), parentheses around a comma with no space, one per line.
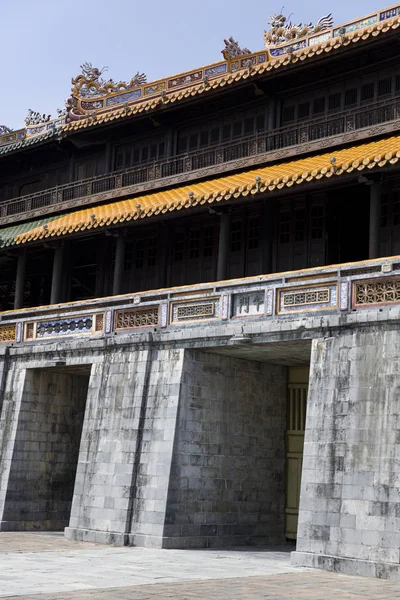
(36,118)
(89,83)
(233,50)
(282,30)
(4,129)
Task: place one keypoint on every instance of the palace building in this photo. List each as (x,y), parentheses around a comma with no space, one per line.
(200,303)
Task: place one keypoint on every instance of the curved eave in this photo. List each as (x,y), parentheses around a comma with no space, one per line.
(359,158)
(319,50)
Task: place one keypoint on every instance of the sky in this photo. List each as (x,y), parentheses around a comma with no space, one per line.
(44,42)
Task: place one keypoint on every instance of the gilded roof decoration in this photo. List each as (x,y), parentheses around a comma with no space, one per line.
(241,185)
(283,30)
(36,118)
(90,84)
(233,50)
(95,101)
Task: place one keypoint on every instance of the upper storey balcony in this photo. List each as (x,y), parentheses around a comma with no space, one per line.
(240,152)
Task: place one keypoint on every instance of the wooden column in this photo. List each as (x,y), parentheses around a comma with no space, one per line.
(374,219)
(119,265)
(266,236)
(57,278)
(20,280)
(223,246)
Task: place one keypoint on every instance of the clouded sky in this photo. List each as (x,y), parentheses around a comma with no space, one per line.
(43,42)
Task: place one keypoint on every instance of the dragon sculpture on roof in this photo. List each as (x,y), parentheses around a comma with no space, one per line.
(89,83)
(4,129)
(282,30)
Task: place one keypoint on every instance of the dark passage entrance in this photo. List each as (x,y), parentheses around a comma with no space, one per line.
(45,456)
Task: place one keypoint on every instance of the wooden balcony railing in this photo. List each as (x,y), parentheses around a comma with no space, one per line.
(252,145)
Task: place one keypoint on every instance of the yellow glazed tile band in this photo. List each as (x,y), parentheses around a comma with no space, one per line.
(356,158)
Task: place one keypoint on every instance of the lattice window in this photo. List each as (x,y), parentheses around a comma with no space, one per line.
(208,244)
(7,333)
(236,236)
(300,225)
(284,228)
(194,244)
(128,256)
(254,233)
(99,322)
(377,292)
(29,331)
(152,253)
(320,296)
(396,208)
(137,317)
(139,262)
(194,311)
(317,222)
(179,246)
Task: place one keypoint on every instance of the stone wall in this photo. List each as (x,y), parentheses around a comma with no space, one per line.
(350,493)
(227,473)
(124,463)
(45,451)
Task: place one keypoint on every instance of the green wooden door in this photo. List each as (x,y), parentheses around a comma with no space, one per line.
(296,420)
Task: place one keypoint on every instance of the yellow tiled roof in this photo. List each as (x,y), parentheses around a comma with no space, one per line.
(267,179)
(227,79)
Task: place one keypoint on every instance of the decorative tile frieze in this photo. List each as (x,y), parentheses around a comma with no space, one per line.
(269,301)
(134,318)
(125,97)
(217,70)
(389,14)
(355,26)
(225,307)
(163,314)
(109,321)
(186,79)
(307,299)
(249,304)
(201,310)
(64,327)
(344,295)
(369,293)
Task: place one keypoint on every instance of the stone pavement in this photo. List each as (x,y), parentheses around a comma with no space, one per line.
(37,566)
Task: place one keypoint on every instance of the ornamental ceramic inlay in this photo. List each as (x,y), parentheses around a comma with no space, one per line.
(164,314)
(126,97)
(225,307)
(217,70)
(269,302)
(109,320)
(344,295)
(344,29)
(60,327)
(389,14)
